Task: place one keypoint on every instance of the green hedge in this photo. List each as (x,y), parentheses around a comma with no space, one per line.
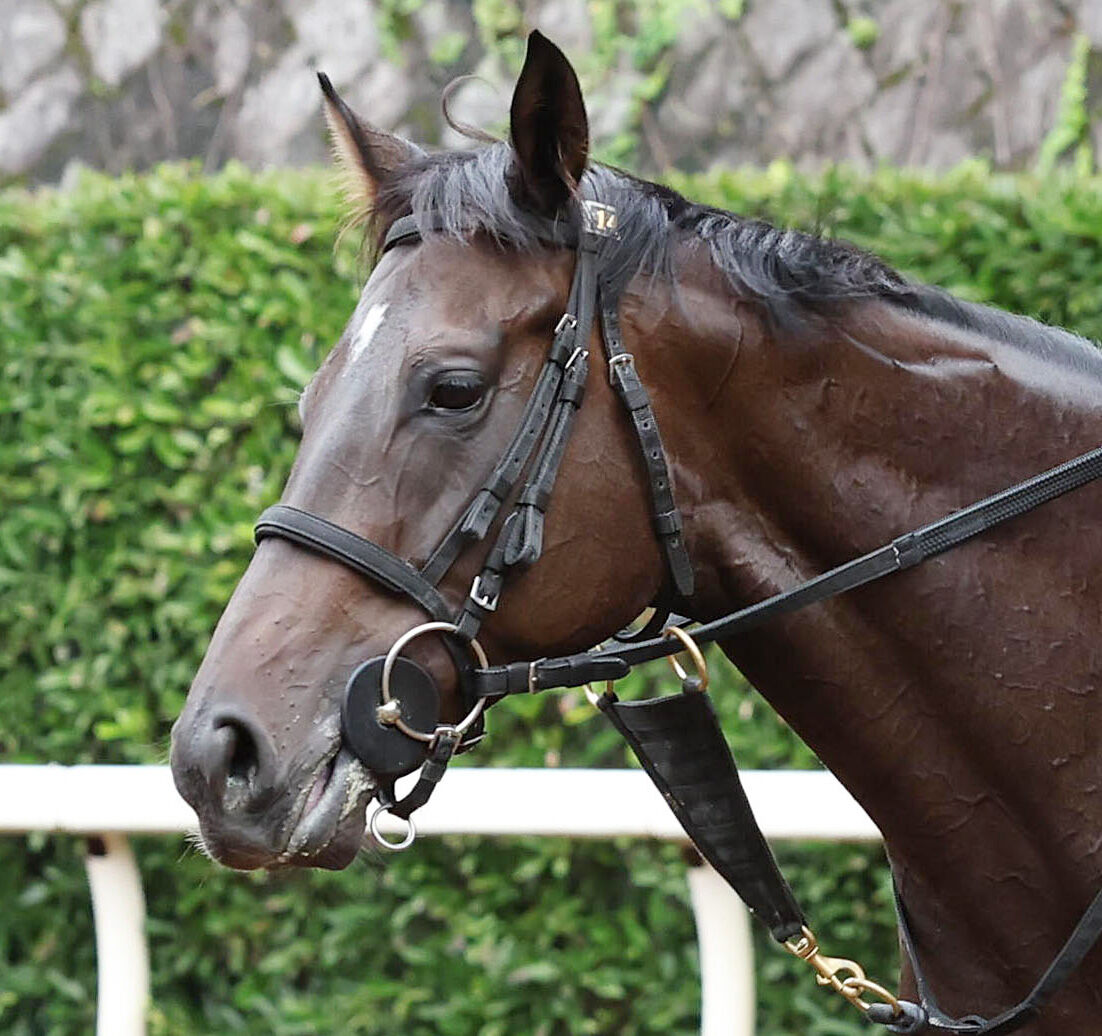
(154,332)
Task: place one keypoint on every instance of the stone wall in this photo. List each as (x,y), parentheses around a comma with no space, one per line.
(119,84)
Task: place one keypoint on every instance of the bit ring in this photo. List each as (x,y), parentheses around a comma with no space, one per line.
(388,668)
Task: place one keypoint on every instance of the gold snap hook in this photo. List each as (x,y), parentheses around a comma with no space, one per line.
(692,649)
(845,977)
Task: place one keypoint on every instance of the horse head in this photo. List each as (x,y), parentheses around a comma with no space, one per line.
(402,425)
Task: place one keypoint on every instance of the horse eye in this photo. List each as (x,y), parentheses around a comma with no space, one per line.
(457,390)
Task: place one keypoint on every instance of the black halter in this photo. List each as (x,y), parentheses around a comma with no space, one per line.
(677,739)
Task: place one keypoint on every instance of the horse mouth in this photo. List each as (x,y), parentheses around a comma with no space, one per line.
(330,824)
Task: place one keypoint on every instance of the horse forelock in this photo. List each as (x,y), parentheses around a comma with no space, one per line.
(461,193)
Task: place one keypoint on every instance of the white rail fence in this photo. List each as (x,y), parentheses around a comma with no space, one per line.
(107,803)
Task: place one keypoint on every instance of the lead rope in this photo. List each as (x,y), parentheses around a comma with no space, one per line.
(613,662)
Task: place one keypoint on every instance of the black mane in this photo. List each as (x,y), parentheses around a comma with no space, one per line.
(792,273)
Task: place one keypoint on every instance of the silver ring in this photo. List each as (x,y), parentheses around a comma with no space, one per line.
(381,842)
(388,668)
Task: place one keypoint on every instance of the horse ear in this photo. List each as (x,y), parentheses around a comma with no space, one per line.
(550,131)
(366,156)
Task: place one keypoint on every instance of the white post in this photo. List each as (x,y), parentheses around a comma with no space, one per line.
(727,995)
(118,907)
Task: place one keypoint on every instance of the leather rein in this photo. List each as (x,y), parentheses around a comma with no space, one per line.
(390,713)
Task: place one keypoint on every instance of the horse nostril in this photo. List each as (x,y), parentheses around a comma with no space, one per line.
(244,762)
(239,762)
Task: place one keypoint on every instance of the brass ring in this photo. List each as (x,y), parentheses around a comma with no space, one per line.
(857,985)
(691,647)
(388,667)
(592,696)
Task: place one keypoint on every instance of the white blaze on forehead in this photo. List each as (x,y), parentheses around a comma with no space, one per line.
(366,331)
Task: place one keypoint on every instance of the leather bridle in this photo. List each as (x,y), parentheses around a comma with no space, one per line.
(535,453)
(390,713)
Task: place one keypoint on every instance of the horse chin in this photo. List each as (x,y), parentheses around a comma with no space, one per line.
(339,852)
(331,809)
(326,829)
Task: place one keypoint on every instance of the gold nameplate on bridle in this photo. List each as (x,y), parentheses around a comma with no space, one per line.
(599,218)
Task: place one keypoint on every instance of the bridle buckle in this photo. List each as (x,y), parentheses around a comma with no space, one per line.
(567,322)
(487,602)
(578,354)
(626,359)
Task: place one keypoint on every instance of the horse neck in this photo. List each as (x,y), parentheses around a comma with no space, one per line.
(957,701)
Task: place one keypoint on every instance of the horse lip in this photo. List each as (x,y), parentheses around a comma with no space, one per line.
(345,784)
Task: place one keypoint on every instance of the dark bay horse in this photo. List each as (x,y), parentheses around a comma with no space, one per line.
(814,404)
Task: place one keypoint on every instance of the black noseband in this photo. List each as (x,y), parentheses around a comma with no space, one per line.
(381,566)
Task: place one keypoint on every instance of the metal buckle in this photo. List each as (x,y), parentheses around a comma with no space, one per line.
(567,322)
(600,219)
(483,600)
(578,354)
(627,359)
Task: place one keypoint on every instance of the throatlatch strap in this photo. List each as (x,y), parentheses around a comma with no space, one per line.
(680,744)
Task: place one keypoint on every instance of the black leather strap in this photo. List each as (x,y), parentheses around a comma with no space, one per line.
(902,553)
(587,295)
(546,674)
(380,566)
(446,745)
(520,541)
(479,515)
(679,743)
(483,598)
(1082,939)
(369,559)
(526,542)
(666,517)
